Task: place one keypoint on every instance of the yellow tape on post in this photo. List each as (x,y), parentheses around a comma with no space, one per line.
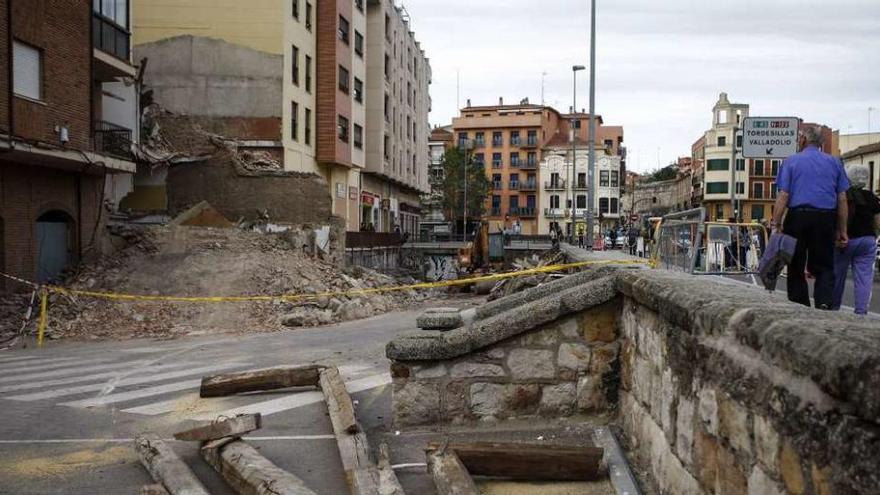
(41,329)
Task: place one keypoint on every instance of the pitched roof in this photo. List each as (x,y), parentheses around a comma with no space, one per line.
(862,150)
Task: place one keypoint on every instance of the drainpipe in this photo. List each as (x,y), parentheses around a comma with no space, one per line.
(10,79)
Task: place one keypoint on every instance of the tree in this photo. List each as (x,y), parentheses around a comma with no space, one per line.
(668,172)
(454,161)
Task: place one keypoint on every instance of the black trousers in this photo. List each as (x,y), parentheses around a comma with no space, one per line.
(815,231)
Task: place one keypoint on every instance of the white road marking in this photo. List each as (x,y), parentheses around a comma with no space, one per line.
(48,364)
(299,400)
(78,370)
(97,387)
(135,394)
(14,359)
(84,378)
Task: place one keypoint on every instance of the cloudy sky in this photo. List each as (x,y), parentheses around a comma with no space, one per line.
(661,63)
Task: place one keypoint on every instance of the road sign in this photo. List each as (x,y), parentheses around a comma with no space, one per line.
(770,137)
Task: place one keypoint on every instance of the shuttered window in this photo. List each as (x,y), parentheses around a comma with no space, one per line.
(27,71)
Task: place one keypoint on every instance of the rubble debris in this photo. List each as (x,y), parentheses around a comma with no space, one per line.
(519,461)
(439,319)
(232,427)
(202,215)
(450,475)
(513,285)
(256,380)
(248,472)
(165,467)
(338,401)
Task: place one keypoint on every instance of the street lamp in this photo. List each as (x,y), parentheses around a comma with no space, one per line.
(591,167)
(574,73)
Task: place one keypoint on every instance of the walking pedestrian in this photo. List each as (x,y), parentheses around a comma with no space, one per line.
(581,237)
(861,251)
(632,235)
(812,187)
(554,240)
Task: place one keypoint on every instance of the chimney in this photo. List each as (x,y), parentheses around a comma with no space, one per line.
(500,101)
(468,102)
(583,110)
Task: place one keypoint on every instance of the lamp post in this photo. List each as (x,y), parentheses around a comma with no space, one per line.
(574,73)
(591,168)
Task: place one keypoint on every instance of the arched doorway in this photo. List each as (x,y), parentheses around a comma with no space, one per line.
(55,244)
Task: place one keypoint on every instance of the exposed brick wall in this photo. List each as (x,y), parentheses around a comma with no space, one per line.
(26,192)
(331,52)
(6,67)
(66,49)
(288,197)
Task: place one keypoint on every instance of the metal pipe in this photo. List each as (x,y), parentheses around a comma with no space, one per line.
(591,142)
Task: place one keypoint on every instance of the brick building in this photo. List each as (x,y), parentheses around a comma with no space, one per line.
(63,151)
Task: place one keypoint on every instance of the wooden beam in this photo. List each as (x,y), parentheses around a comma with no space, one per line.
(450,475)
(529,461)
(256,380)
(153,490)
(232,427)
(165,467)
(338,401)
(388,482)
(249,473)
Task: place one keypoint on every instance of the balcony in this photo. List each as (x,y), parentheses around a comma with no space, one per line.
(523,212)
(516,141)
(582,185)
(112,139)
(110,37)
(554,185)
(497,185)
(495,212)
(554,212)
(529,185)
(530,142)
(528,164)
(514,185)
(497,143)
(497,164)
(479,144)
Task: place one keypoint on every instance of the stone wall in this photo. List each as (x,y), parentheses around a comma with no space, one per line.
(717,388)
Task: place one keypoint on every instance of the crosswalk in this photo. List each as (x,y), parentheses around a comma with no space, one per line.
(147,383)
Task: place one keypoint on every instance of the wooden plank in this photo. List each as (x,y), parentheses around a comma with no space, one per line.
(450,475)
(153,490)
(249,473)
(256,380)
(529,461)
(232,427)
(165,467)
(388,482)
(338,401)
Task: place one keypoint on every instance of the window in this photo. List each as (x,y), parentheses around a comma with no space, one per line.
(307,136)
(514,159)
(27,71)
(603,178)
(719,212)
(609,143)
(308,73)
(294,121)
(581,201)
(496,160)
(739,141)
(344,29)
(717,164)
(294,64)
(342,129)
(358,90)
(532,158)
(577,123)
(740,187)
(603,206)
(740,164)
(480,139)
(386,147)
(582,179)
(514,138)
(554,201)
(343,79)
(358,44)
(615,178)
(514,181)
(514,204)
(387,27)
(295,8)
(532,138)
(722,140)
(479,158)
(774,167)
(358,137)
(759,167)
(757,212)
(759,190)
(359,4)
(308,16)
(496,181)
(772,190)
(717,188)
(462,139)
(387,66)
(497,140)
(614,206)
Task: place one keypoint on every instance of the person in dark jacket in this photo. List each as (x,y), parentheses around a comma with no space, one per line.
(861,250)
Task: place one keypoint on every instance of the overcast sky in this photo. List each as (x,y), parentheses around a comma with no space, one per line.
(661,63)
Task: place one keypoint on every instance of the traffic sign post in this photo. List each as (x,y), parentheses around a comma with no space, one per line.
(770,137)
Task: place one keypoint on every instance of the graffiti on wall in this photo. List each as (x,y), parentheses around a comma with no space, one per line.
(441,267)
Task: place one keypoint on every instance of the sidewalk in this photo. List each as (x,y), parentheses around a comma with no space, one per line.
(575,254)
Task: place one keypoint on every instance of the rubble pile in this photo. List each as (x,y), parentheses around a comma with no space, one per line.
(510,286)
(207,261)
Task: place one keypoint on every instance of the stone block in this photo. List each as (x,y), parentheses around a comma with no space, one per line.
(487,399)
(599,323)
(590,394)
(708,408)
(439,319)
(766,443)
(428,370)
(568,375)
(574,357)
(791,470)
(684,431)
(627,361)
(733,424)
(531,364)
(493,353)
(761,484)
(522,399)
(399,370)
(546,336)
(603,357)
(569,329)
(454,401)
(667,404)
(476,370)
(558,399)
(416,403)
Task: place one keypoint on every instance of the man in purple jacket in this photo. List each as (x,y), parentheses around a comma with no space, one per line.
(812,187)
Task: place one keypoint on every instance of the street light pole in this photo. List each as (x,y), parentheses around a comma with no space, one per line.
(573,168)
(591,196)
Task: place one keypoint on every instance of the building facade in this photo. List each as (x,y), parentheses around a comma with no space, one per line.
(68,122)
(868,155)
(398,103)
(434,222)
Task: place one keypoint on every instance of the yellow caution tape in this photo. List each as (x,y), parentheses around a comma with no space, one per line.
(44,316)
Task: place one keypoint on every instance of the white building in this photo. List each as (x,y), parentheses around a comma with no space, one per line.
(720,139)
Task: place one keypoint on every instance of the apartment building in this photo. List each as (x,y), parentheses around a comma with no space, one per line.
(317,52)
(68,121)
(434,222)
(513,140)
(398,103)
